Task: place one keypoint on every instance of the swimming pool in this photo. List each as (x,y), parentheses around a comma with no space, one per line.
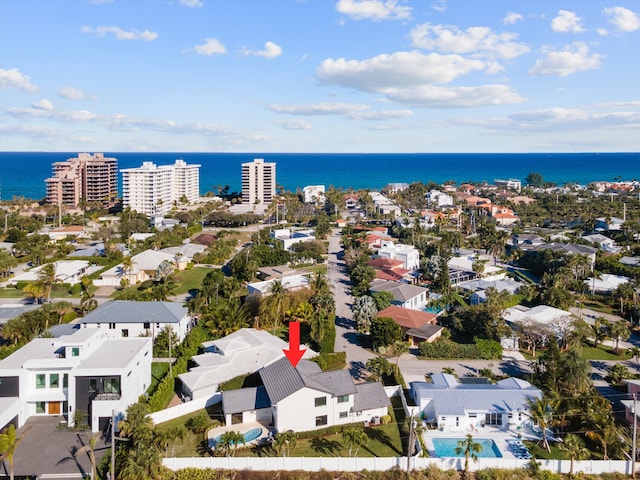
(249,436)
(446,447)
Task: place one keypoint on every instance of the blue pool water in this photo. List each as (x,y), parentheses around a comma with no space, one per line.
(446,447)
(249,435)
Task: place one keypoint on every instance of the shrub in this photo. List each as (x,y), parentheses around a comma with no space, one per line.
(385,419)
(331,361)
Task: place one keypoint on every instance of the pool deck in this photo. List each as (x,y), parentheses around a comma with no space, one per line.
(499,436)
(242,428)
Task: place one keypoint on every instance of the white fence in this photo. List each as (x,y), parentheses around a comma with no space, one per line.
(334,464)
(184,408)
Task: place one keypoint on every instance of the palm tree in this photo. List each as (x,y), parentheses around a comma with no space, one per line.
(399,349)
(469,449)
(379,366)
(635,353)
(275,304)
(88,302)
(354,437)
(127,265)
(229,442)
(47,277)
(574,446)
(619,331)
(541,411)
(600,330)
(9,443)
(283,442)
(90,449)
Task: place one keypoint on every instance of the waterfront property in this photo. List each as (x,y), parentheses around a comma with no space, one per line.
(83,376)
(258,182)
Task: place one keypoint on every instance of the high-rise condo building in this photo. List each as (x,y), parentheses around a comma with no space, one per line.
(92,178)
(258,181)
(154,190)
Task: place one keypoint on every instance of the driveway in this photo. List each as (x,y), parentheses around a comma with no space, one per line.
(46,449)
(346,336)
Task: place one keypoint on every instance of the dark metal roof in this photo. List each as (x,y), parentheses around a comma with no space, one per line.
(244,399)
(369,395)
(474,381)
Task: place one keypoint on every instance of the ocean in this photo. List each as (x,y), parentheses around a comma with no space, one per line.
(23,173)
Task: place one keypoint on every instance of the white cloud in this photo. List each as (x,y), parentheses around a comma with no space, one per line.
(511,18)
(381,115)
(14,78)
(553,119)
(429,96)
(211,46)
(567,21)
(624,19)
(43,104)
(33,131)
(398,70)
(574,58)
(119,33)
(56,115)
(603,32)
(192,3)
(271,50)
(373,9)
(480,40)
(296,124)
(323,108)
(71,93)
(440,6)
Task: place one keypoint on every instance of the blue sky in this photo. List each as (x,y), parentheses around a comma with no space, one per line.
(320,75)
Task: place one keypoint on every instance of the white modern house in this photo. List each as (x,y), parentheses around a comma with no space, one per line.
(85,371)
(454,405)
(125,318)
(289,236)
(408,254)
(305,398)
(313,194)
(290,283)
(404,295)
(244,351)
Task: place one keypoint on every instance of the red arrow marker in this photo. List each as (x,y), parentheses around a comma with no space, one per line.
(294,354)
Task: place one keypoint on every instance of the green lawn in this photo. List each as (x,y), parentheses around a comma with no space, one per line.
(193,445)
(604,352)
(11,293)
(57,292)
(158,369)
(190,279)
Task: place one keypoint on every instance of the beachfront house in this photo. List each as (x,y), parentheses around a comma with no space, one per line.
(469,404)
(305,398)
(125,318)
(85,371)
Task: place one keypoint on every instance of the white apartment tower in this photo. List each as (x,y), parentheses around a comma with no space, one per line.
(258,181)
(154,190)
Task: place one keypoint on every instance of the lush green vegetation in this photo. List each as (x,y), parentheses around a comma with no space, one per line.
(189,280)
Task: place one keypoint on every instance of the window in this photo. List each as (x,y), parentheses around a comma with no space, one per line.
(343,398)
(54,380)
(321,420)
(65,380)
(344,414)
(75,351)
(112,385)
(493,419)
(146,325)
(41,380)
(40,407)
(112,326)
(125,332)
(321,401)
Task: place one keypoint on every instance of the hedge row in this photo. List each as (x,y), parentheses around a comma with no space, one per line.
(483,349)
(331,361)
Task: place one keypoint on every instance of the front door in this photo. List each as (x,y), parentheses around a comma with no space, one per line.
(54,408)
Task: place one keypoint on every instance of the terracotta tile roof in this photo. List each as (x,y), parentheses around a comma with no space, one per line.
(406,317)
(385,263)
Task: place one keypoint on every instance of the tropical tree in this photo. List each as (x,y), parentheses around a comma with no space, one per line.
(469,449)
(229,442)
(635,353)
(619,331)
(283,442)
(600,330)
(399,348)
(364,310)
(541,411)
(9,443)
(575,448)
(354,438)
(384,332)
(90,450)
(379,366)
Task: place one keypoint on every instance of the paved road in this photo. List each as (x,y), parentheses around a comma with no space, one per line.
(346,337)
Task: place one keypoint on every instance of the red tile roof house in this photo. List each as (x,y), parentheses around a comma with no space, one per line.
(389,269)
(418,326)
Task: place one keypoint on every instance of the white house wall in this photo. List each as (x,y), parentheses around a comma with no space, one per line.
(298,412)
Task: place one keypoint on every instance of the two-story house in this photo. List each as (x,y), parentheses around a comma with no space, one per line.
(304,398)
(85,372)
